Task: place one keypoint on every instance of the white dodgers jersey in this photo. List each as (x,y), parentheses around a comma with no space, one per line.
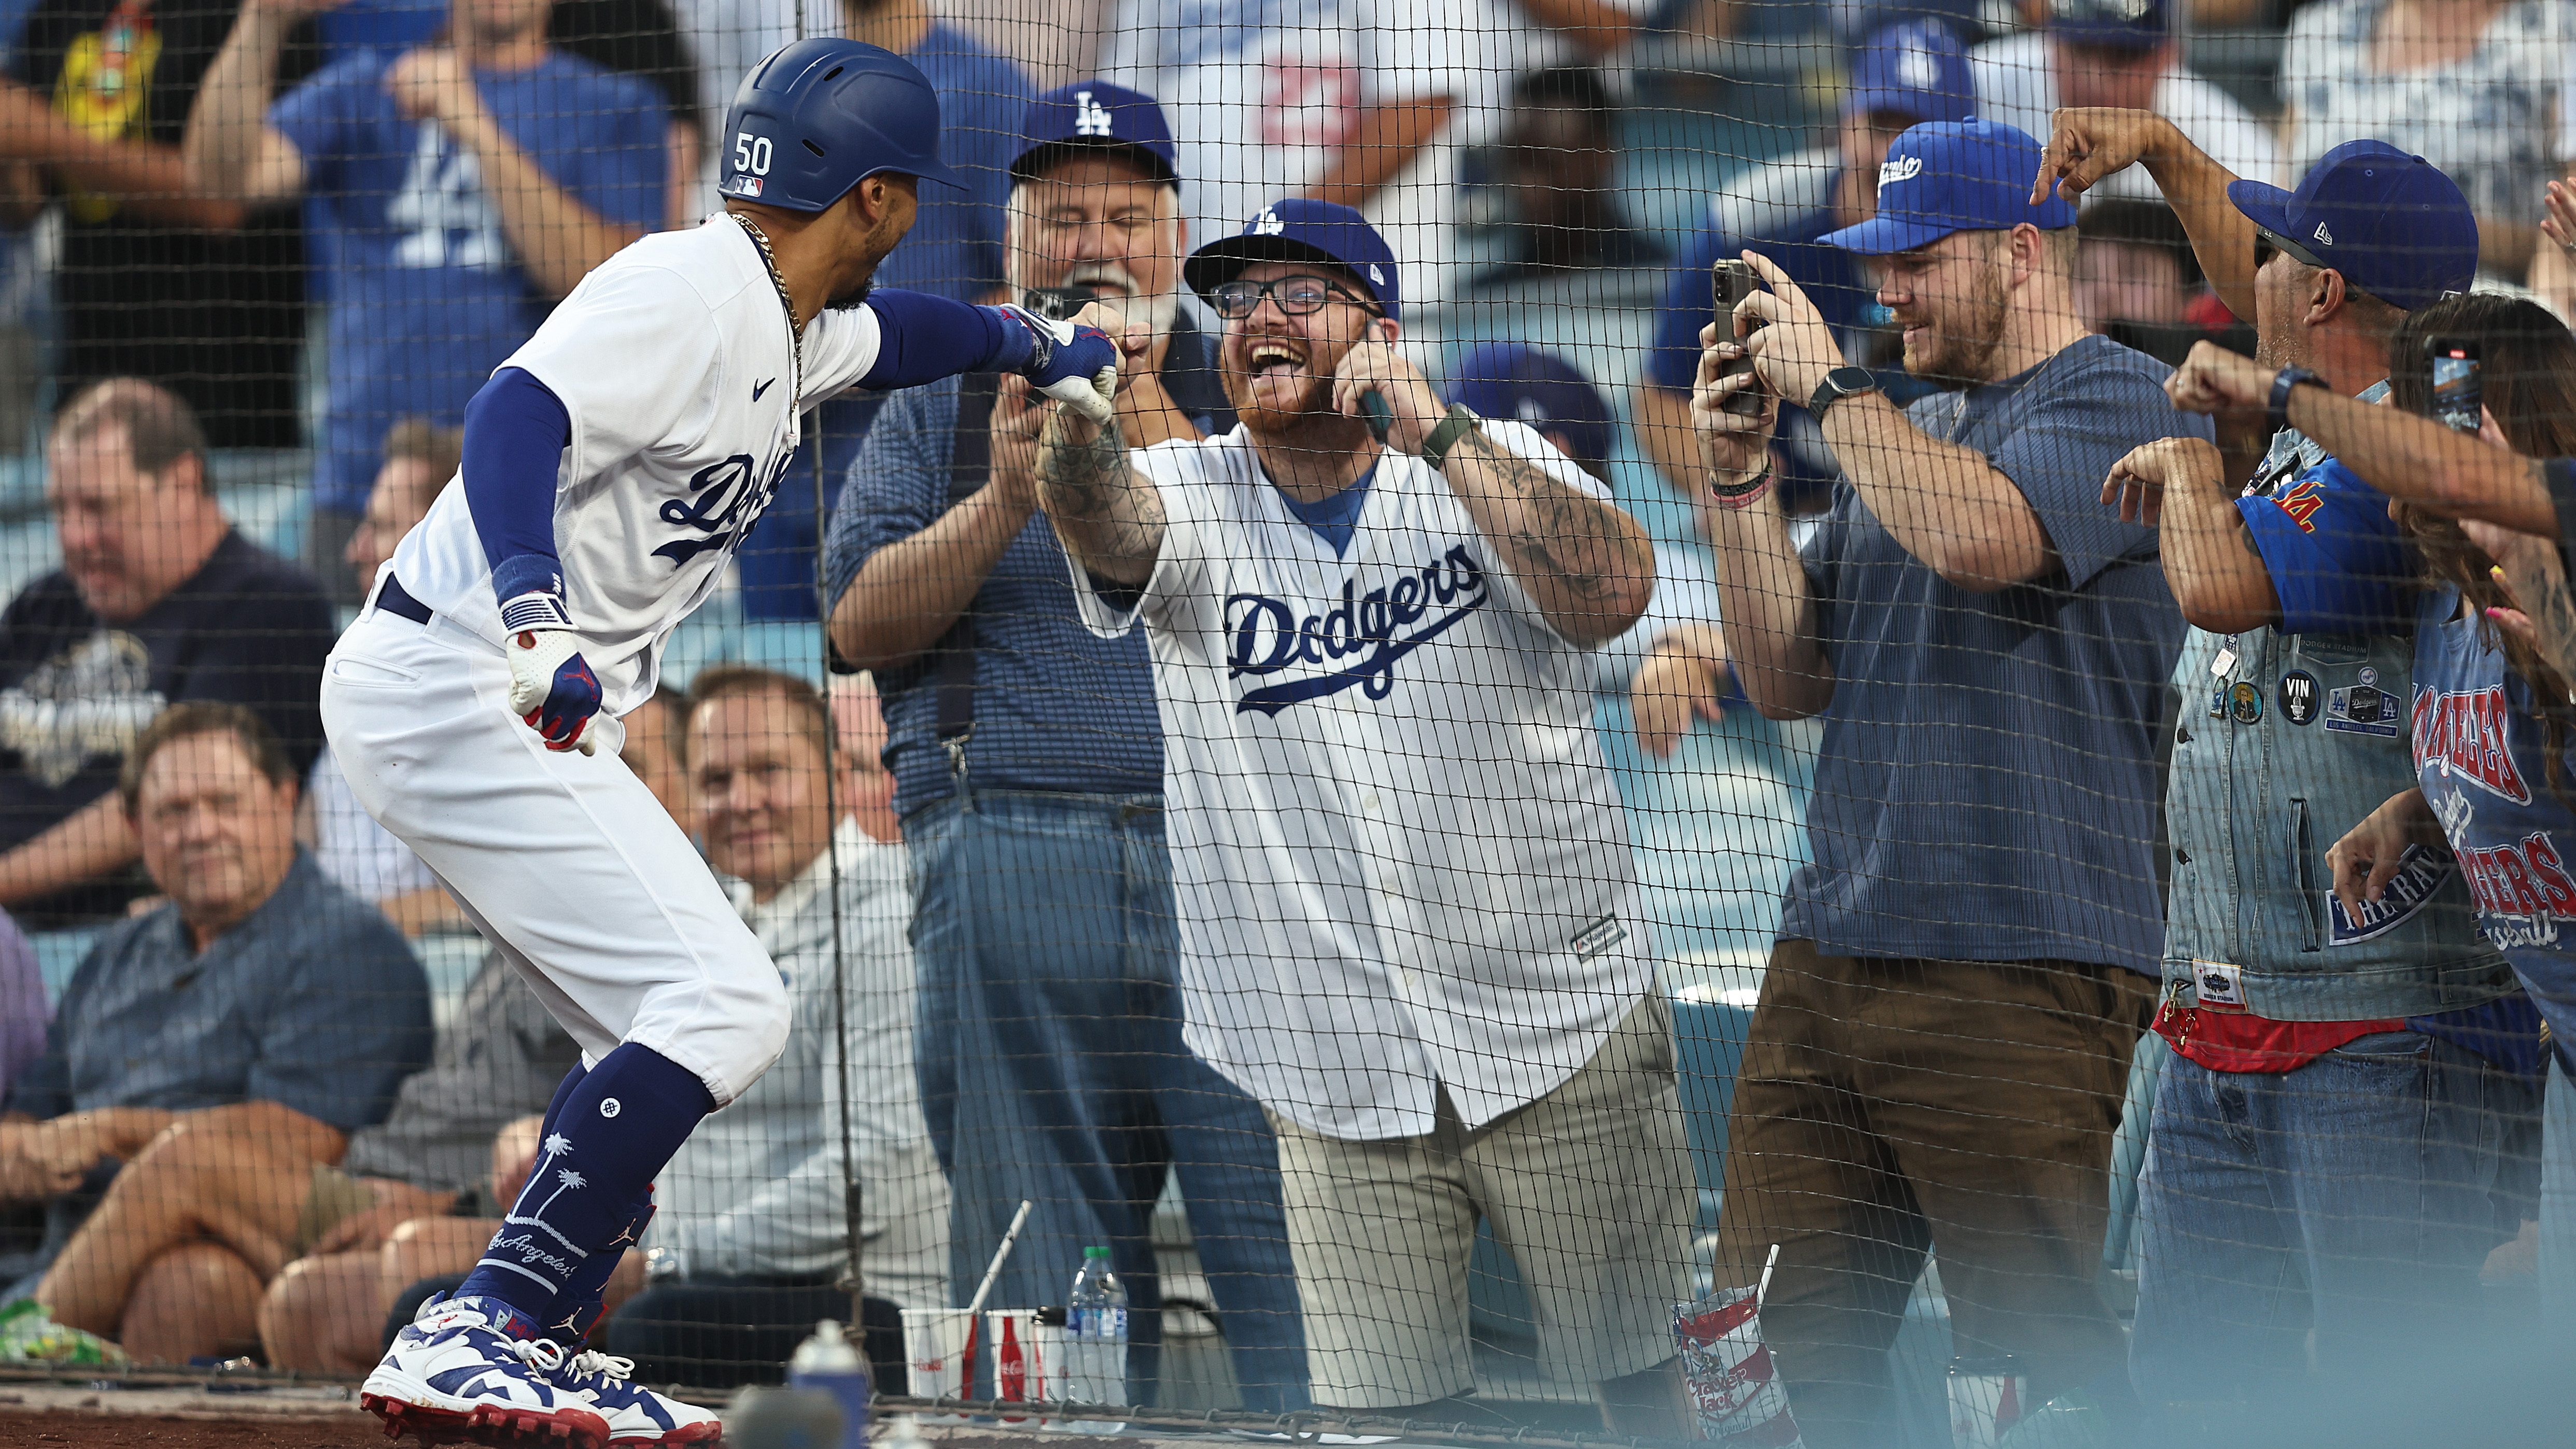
(676,365)
(1399,855)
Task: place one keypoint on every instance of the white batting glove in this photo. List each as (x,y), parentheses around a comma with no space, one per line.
(552,687)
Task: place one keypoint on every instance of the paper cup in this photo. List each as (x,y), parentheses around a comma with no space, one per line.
(934,1352)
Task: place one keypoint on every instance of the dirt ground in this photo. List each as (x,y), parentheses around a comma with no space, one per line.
(75,1429)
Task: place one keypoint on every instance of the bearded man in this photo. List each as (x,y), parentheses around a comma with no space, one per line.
(1028,767)
(1943,1037)
(1408,917)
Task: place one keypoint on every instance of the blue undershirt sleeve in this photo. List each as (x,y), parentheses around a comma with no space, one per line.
(515,432)
(922,338)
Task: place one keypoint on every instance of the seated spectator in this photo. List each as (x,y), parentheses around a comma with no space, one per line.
(353,850)
(2120,54)
(159,600)
(2472,88)
(23,1012)
(1907,74)
(750,1240)
(261,991)
(1559,158)
(154,279)
(458,190)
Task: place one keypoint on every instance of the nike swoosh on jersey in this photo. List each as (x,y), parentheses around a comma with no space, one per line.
(760,387)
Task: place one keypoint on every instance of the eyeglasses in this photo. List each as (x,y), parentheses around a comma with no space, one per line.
(1297,296)
(2267,241)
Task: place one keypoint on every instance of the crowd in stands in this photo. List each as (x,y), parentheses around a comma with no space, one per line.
(2079,379)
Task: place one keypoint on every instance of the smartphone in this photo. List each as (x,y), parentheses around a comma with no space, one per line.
(1057,304)
(1731,282)
(2458,397)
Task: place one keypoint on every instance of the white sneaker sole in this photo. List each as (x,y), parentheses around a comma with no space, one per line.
(409,1406)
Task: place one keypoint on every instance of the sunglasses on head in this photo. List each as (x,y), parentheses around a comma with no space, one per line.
(1298,296)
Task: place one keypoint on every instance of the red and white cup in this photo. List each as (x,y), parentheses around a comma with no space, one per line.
(1739,1397)
(1988,1396)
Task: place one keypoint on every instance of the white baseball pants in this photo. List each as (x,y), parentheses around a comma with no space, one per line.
(565,862)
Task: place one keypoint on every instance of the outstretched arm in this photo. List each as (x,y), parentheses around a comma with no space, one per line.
(1109,519)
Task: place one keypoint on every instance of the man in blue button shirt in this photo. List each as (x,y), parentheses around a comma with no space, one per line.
(1907,74)
(262,999)
(1028,764)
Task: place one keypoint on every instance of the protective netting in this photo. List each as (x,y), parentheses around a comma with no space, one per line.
(1527,852)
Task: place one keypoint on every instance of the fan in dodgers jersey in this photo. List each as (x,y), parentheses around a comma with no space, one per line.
(612,466)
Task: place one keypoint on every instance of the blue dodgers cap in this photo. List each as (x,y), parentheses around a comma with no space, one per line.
(1509,380)
(1917,70)
(2391,223)
(1948,176)
(1303,230)
(1095,115)
(2110,24)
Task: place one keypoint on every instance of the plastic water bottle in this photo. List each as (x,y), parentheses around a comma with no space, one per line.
(1096,1339)
(827,1362)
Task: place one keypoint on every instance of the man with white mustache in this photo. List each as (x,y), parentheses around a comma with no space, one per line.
(1028,765)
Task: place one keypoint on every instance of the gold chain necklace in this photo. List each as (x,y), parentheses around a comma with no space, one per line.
(795,333)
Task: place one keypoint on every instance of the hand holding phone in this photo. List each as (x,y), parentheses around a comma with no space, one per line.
(1730,282)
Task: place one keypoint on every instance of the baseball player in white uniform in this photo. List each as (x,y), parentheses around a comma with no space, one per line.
(612,466)
(1408,916)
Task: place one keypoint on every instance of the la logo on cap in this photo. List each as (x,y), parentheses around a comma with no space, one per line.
(1267,223)
(1090,118)
(1903,169)
(1917,68)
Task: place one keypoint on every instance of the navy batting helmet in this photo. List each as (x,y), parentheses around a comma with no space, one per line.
(820,116)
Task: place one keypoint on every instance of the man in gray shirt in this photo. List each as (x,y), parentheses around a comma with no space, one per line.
(1943,1038)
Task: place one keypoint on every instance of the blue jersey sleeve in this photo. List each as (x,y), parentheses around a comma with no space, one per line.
(922,338)
(320,118)
(624,170)
(2339,563)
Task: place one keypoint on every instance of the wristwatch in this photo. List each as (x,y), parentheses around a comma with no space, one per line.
(1840,383)
(2282,381)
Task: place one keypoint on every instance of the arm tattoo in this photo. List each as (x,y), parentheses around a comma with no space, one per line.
(1103,510)
(2555,621)
(1559,533)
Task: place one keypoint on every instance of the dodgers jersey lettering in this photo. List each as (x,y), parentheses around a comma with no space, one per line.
(668,359)
(1399,856)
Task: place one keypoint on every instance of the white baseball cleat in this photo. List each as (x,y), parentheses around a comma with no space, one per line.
(463,1372)
(635,1414)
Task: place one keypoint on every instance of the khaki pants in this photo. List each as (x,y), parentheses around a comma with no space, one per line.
(1886,1107)
(1588,1188)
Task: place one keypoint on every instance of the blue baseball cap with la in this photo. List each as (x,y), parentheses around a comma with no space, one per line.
(1095,115)
(2391,223)
(1299,229)
(1512,380)
(1917,70)
(1949,176)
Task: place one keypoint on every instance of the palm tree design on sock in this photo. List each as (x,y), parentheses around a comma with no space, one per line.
(564,1180)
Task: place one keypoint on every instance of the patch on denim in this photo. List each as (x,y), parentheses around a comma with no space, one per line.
(2420,872)
(2218,983)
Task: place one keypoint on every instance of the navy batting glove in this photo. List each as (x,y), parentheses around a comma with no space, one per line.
(1075,364)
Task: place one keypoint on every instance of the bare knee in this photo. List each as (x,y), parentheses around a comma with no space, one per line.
(195,1299)
(322,1315)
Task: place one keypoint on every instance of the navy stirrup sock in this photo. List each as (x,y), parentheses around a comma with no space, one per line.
(609,1133)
